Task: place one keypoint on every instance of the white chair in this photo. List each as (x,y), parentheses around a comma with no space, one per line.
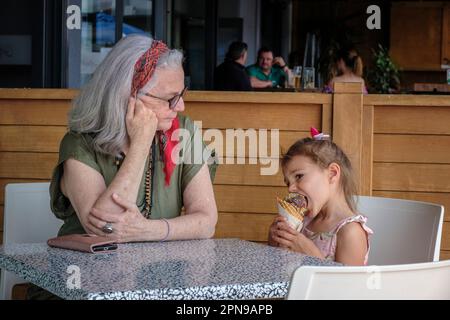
(27,219)
(407,281)
(405,231)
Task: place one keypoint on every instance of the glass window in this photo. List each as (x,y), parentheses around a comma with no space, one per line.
(98,30)
(188,33)
(137,17)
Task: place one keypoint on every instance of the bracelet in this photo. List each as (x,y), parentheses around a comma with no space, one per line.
(168,230)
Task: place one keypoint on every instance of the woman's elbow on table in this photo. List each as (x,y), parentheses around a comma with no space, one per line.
(209,227)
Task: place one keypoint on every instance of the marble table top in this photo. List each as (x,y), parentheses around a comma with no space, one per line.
(194,269)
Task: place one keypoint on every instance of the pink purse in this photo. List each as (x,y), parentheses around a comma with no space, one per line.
(84,242)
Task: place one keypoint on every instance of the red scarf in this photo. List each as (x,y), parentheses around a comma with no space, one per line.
(143,71)
(167,146)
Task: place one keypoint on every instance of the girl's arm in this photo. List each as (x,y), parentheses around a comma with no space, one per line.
(351,246)
(291,239)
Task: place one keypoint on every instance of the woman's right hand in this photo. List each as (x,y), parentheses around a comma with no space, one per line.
(141,122)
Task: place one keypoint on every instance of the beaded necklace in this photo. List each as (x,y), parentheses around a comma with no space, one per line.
(148,185)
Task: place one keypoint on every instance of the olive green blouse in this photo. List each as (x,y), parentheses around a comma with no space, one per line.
(167,200)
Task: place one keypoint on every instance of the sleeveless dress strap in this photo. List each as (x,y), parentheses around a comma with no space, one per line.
(357,218)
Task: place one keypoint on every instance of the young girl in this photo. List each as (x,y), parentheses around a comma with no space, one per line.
(332,229)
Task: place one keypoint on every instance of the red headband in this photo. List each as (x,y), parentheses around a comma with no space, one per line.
(146,64)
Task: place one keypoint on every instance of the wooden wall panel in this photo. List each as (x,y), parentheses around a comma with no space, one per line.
(412,119)
(445,255)
(411,148)
(347,123)
(411,158)
(411,177)
(34,112)
(257,97)
(265,116)
(248,199)
(416,36)
(248,174)
(253,227)
(31,138)
(367,151)
(38,94)
(393,101)
(2,214)
(327,118)
(27,165)
(286,139)
(445,242)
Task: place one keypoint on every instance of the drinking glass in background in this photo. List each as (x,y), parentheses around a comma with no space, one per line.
(309,78)
(297,75)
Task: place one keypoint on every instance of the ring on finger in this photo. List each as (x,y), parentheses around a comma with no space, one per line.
(108,228)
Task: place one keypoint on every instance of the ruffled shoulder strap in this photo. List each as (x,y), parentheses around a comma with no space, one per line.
(356,218)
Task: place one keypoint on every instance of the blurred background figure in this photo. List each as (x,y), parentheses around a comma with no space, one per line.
(231,75)
(268,72)
(348,67)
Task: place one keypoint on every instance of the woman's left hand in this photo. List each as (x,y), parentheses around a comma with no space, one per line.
(127,226)
(293,240)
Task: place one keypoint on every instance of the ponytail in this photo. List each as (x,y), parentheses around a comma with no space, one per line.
(351,59)
(357,66)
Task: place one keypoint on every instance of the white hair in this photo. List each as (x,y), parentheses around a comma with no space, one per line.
(101,106)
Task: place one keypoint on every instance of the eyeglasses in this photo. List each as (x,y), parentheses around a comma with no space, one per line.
(172,101)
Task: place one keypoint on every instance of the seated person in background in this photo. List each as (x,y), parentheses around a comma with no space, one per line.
(317,169)
(268,72)
(349,67)
(231,75)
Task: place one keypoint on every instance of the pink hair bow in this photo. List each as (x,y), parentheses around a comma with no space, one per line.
(317,135)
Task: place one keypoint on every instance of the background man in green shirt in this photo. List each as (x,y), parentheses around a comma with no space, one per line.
(268,72)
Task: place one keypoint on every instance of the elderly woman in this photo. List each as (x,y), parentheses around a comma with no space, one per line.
(118,173)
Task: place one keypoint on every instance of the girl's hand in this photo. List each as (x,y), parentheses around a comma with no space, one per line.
(272,230)
(291,239)
(127,226)
(141,122)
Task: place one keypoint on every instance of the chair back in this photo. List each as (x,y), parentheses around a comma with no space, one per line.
(405,231)
(407,281)
(27,219)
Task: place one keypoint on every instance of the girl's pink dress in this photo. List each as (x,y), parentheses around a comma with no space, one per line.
(327,241)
